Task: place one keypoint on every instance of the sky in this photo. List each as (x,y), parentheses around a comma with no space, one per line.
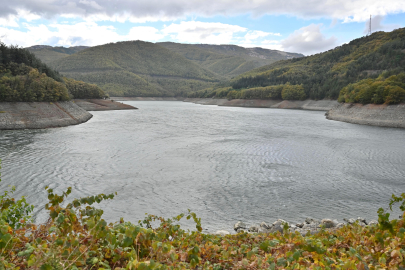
(301,26)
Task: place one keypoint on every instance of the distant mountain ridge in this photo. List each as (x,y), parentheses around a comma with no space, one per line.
(138,68)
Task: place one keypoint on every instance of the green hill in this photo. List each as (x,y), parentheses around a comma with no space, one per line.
(322,75)
(136,68)
(228,60)
(48,54)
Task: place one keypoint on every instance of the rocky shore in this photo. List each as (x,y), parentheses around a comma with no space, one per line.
(370,114)
(310,225)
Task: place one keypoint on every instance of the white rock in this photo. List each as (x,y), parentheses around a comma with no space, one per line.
(222,232)
(239,225)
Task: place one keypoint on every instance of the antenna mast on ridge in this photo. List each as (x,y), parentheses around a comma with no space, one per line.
(369,27)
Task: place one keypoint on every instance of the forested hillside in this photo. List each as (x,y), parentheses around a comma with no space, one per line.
(48,54)
(322,75)
(228,60)
(23,77)
(136,68)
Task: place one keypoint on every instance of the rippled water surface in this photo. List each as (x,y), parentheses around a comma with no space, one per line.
(225,164)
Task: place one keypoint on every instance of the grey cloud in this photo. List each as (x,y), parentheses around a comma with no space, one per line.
(179,8)
(308,40)
(7,11)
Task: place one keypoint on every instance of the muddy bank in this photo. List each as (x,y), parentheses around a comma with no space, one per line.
(35,115)
(315,105)
(370,114)
(102,105)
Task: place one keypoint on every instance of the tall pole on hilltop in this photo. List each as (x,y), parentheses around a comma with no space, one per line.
(369,27)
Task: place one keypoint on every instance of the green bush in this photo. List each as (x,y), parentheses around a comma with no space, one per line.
(79,89)
(395,95)
(293,92)
(16,213)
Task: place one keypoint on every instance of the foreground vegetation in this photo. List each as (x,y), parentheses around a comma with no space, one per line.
(77,237)
(322,75)
(23,77)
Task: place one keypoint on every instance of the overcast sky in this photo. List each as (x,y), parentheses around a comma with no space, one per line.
(303,26)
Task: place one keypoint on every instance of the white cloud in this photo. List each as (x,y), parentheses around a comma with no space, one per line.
(12,19)
(202,32)
(308,40)
(144,33)
(145,10)
(84,33)
(255,35)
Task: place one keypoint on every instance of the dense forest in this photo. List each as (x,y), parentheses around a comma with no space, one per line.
(23,77)
(322,75)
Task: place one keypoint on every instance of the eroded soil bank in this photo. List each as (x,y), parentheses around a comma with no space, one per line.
(370,114)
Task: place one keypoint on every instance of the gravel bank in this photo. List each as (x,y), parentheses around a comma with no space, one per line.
(35,115)
(370,114)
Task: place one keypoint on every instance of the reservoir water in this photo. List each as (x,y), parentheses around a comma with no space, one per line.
(225,164)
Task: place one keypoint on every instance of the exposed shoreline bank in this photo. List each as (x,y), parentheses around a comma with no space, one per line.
(370,114)
(313,105)
(38,115)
